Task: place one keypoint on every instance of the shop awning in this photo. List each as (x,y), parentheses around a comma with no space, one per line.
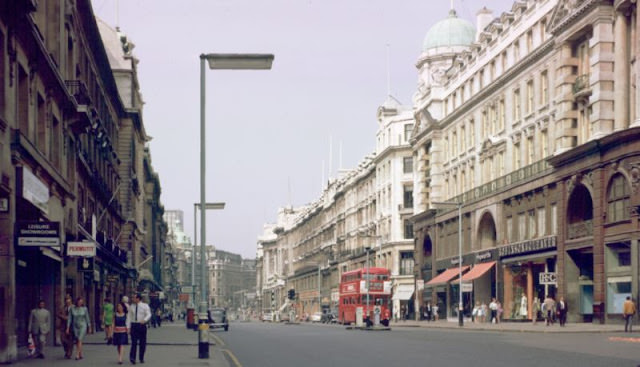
(477,271)
(446,276)
(403,292)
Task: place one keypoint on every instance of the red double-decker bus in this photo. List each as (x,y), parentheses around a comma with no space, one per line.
(353,294)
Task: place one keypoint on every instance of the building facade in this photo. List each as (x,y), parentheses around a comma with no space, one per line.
(529,124)
(62,166)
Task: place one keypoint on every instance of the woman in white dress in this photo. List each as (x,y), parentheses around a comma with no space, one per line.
(523,306)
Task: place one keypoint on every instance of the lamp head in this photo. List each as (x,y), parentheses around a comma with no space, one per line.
(239,61)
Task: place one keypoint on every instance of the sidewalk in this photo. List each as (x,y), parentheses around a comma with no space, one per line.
(170,345)
(521,327)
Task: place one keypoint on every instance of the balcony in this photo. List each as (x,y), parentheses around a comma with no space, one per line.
(580,229)
(79,91)
(581,87)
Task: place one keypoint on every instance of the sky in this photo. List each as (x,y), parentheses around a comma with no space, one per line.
(269,132)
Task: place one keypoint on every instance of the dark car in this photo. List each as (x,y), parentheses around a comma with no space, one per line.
(218,318)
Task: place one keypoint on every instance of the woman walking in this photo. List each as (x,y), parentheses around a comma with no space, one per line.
(120,331)
(80,323)
(107,320)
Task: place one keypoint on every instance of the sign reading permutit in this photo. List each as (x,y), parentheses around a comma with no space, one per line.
(38,233)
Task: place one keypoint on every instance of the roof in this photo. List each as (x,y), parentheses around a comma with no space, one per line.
(451,31)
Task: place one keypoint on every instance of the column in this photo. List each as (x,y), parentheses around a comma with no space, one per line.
(636,49)
(566,114)
(602,63)
(529,289)
(621,72)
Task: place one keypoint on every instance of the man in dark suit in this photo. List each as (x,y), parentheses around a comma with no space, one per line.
(562,309)
(139,316)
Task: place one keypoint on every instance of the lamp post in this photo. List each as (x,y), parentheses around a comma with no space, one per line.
(368,302)
(196,206)
(457,204)
(216,62)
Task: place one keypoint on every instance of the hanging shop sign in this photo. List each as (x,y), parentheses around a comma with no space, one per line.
(82,249)
(467,287)
(548,278)
(539,244)
(38,233)
(85,264)
(34,190)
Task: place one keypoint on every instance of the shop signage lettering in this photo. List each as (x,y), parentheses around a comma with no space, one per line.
(524,247)
(467,287)
(455,261)
(483,256)
(548,278)
(38,233)
(83,249)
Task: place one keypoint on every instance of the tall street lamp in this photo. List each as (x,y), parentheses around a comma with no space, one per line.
(457,204)
(196,206)
(216,62)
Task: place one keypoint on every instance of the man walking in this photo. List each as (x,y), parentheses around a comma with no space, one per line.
(139,315)
(629,309)
(39,326)
(549,306)
(63,317)
(562,311)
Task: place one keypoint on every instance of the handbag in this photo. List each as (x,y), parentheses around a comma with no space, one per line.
(31,348)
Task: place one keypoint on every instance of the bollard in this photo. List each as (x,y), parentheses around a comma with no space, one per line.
(203,339)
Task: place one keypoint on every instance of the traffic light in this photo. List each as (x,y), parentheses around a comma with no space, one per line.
(292,294)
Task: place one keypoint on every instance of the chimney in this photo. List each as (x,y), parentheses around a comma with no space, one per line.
(483,17)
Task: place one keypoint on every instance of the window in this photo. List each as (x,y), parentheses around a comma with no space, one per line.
(501,163)
(485,124)
(501,115)
(406,263)
(472,133)
(516,51)
(529,41)
(408,229)
(544,88)
(408,197)
(516,156)
(544,143)
(529,97)
(504,61)
(407,165)
(55,143)
(542,221)
(530,150)
(408,130)
(462,95)
(463,139)
(516,105)
(618,199)
(23,102)
(543,30)
(509,229)
(494,119)
(41,137)
(531,226)
(522,227)
(481,79)
(492,70)
(454,142)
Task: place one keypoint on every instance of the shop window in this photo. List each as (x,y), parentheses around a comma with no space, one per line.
(618,199)
(618,289)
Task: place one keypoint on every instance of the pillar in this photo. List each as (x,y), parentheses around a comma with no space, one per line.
(621,72)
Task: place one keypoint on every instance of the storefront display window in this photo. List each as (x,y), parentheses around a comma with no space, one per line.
(618,289)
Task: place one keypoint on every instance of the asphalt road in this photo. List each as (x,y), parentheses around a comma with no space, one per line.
(278,345)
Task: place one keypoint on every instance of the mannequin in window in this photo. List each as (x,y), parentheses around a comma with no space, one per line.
(523,306)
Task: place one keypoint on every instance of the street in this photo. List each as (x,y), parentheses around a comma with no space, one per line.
(309,345)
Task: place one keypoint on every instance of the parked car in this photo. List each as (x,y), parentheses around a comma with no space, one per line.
(329,318)
(267,316)
(218,318)
(316,317)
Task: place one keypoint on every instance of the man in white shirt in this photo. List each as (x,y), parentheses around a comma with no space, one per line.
(139,315)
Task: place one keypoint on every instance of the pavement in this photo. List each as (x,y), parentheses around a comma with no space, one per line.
(170,345)
(522,327)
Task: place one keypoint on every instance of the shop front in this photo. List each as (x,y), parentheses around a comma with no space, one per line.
(445,294)
(529,269)
(403,304)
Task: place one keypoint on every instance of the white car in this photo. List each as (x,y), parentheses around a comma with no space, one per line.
(267,316)
(316,317)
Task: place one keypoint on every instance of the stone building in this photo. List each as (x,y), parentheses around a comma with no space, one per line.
(64,173)
(530,124)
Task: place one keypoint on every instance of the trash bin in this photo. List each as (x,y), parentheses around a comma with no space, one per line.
(191,324)
(598,312)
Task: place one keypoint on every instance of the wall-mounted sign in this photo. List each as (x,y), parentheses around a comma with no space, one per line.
(38,233)
(480,256)
(4,205)
(548,278)
(83,249)
(85,264)
(34,190)
(467,287)
(420,284)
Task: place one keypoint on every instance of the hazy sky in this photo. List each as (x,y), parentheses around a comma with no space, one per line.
(265,128)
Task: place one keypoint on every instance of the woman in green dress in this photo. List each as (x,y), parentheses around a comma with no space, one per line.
(80,323)
(107,320)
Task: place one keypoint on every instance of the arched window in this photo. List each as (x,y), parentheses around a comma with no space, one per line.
(618,199)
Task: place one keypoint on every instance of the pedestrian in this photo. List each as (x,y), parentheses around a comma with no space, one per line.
(429,311)
(549,308)
(493,306)
(475,313)
(63,317)
(159,317)
(436,316)
(107,320)
(483,312)
(523,306)
(562,309)
(79,323)
(535,309)
(120,331)
(500,310)
(628,310)
(139,316)
(125,301)
(39,326)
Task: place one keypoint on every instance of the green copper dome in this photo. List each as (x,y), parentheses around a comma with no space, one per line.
(451,31)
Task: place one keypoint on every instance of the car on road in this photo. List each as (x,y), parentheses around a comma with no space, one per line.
(267,316)
(218,318)
(316,317)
